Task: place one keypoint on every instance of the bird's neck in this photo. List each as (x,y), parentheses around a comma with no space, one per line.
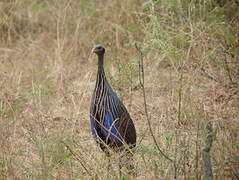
(101,65)
(101,73)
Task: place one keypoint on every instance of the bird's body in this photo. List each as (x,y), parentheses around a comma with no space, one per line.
(111,124)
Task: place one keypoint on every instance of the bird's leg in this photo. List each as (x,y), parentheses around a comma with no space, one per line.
(105,148)
(108,166)
(130,168)
(120,166)
(129,164)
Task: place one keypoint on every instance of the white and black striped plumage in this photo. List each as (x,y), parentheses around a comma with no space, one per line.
(111,124)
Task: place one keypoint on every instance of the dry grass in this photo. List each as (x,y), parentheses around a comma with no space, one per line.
(48,73)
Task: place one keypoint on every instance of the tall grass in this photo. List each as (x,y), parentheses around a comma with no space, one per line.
(48,73)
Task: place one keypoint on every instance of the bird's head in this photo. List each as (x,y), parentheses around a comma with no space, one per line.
(98,49)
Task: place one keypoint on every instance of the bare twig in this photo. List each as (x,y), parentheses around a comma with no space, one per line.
(228,69)
(78,158)
(209,76)
(141,81)
(206,157)
(180,92)
(197,152)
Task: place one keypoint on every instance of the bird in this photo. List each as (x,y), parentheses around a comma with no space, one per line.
(110,122)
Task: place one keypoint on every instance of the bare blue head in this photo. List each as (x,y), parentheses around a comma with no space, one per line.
(99,50)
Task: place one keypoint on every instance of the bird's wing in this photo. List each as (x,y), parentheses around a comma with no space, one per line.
(121,120)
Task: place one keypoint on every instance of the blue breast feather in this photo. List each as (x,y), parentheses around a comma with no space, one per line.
(110,130)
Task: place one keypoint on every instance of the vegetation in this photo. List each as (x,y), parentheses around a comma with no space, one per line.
(47,70)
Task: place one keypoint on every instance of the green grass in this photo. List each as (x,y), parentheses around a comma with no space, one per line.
(48,73)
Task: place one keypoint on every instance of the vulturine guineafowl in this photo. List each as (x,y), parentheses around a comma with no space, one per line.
(110,121)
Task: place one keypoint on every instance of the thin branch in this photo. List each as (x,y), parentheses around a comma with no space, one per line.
(180,94)
(141,81)
(78,158)
(206,157)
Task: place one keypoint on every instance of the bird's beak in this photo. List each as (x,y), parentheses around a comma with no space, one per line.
(96,48)
(93,49)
